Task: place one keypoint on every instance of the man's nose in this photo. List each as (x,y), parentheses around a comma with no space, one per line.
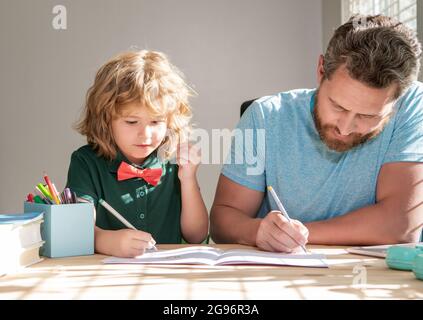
(346,124)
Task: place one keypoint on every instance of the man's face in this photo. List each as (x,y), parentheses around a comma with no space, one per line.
(348,113)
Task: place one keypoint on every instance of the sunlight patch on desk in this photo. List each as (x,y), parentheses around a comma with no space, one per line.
(329,252)
(371,291)
(340,262)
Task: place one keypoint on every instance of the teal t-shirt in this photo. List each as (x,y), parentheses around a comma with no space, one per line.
(313,182)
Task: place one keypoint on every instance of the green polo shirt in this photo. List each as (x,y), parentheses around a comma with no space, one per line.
(156,210)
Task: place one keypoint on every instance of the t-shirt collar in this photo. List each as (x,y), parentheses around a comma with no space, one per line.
(313,101)
(151,161)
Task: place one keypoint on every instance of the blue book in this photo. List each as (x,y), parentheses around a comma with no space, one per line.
(20,240)
(20,230)
(21,218)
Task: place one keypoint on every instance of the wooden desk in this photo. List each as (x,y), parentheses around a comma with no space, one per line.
(348,277)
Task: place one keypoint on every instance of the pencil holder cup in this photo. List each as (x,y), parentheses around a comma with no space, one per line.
(68,229)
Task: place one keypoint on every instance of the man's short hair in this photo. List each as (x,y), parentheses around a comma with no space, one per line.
(376,50)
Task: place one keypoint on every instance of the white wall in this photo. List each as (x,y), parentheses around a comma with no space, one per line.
(331,19)
(230,51)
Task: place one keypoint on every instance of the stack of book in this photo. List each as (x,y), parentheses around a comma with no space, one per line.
(20,240)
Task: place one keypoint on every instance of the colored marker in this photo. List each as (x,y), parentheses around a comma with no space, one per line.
(38,199)
(57,193)
(68,195)
(42,196)
(30,197)
(44,191)
(73,196)
(51,189)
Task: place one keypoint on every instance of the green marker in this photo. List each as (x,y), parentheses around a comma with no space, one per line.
(37,199)
(44,191)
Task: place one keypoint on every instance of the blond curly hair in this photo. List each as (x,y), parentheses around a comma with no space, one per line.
(143,76)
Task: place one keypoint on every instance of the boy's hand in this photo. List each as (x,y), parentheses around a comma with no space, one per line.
(188,158)
(125,243)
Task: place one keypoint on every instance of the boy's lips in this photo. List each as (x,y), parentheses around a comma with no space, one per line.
(143,145)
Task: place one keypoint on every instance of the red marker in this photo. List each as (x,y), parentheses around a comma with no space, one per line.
(51,189)
(30,197)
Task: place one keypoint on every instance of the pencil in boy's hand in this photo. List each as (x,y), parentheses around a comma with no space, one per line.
(119,217)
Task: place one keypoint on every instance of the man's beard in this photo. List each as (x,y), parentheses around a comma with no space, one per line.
(354,139)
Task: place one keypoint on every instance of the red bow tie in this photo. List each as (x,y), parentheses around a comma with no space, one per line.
(126,171)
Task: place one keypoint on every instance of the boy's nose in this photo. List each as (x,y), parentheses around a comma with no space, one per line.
(145,132)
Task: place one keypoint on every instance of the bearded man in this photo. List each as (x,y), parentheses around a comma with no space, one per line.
(345,159)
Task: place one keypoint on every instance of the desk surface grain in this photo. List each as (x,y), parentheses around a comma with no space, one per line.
(86,277)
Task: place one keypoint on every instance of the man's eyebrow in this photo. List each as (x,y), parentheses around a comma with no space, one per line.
(337,104)
(361,114)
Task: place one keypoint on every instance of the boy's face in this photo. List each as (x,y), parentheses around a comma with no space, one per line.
(348,112)
(137,133)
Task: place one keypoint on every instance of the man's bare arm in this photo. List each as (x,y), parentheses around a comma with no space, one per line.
(233,211)
(396,217)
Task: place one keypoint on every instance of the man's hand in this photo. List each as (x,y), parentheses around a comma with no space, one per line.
(276,233)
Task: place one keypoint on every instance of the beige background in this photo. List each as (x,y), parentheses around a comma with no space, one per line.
(230,51)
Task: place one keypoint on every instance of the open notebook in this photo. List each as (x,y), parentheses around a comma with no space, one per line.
(214,256)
